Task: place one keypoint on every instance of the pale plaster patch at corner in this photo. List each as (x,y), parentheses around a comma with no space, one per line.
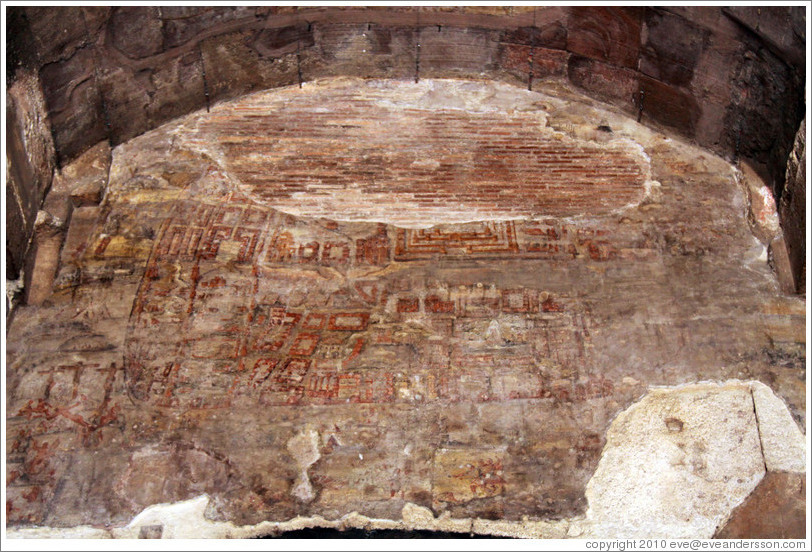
(782,442)
(695,452)
(762,213)
(675,465)
(759,209)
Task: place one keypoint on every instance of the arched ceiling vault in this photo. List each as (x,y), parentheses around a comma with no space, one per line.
(715,75)
(730,79)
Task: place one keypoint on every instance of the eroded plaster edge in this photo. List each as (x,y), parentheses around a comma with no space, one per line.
(186,519)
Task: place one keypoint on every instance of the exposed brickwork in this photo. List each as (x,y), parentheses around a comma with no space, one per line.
(115,72)
(350,160)
(732,79)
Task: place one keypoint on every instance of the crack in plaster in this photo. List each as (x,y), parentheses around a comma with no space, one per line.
(758,427)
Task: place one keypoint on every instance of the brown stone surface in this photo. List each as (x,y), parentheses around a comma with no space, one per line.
(763,103)
(607,34)
(518,59)
(60,31)
(668,106)
(609,84)
(783,266)
(75,105)
(457,52)
(80,184)
(30,164)
(43,259)
(115,72)
(86,178)
(792,209)
(672,47)
(776,509)
(361,49)
(381,297)
(779,27)
(16,236)
(216,328)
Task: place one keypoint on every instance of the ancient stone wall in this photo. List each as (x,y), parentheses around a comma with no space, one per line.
(453,269)
(418,323)
(792,209)
(729,78)
(29,170)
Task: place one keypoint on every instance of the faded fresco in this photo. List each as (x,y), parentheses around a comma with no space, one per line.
(356,295)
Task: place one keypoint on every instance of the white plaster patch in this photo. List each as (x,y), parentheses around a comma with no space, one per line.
(181,520)
(763,214)
(675,464)
(304,447)
(782,441)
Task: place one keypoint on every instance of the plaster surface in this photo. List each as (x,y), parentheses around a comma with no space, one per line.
(692,473)
(311,355)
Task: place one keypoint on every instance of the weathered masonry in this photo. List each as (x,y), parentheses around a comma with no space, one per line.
(534,272)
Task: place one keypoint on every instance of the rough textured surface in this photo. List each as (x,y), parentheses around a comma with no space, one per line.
(30,164)
(296,365)
(695,454)
(731,78)
(456,153)
(775,510)
(782,443)
(80,184)
(792,209)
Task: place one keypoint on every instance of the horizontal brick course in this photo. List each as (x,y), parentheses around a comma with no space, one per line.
(350,154)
